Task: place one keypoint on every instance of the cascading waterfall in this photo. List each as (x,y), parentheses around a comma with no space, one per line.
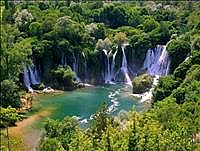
(124,67)
(157,64)
(85,66)
(157,61)
(63,59)
(31,76)
(113,64)
(107,70)
(26,79)
(187,57)
(34,76)
(75,67)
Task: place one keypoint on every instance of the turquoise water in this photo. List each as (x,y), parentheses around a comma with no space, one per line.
(85,101)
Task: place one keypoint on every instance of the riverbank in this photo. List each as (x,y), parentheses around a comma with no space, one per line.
(27,99)
(26,134)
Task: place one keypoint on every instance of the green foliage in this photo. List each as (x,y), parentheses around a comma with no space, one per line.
(22,19)
(51,144)
(142,83)
(8,117)
(59,134)
(46,30)
(181,70)
(113,16)
(9,94)
(63,78)
(103,44)
(14,52)
(178,48)
(34,29)
(120,38)
(141,43)
(150,24)
(165,87)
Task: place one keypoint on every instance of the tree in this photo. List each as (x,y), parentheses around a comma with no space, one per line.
(165,87)
(150,24)
(22,19)
(142,83)
(51,144)
(67,28)
(178,50)
(63,78)
(34,29)
(8,117)
(9,94)
(99,125)
(114,16)
(104,44)
(120,38)
(14,53)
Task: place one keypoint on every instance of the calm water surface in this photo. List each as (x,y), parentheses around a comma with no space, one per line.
(83,103)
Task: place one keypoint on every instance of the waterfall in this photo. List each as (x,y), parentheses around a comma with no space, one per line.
(26,79)
(75,67)
(31,76)
(85,66)
(113,64)
(107,70)
(124,67)
(63,59)
(157,61)
(187,57)
(34,76)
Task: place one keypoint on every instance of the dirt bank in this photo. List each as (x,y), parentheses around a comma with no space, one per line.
(26,133)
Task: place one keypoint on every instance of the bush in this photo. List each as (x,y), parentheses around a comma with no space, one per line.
(8,116)
(165,87)
(178,50)
(9,94)
(63,78)
(142,83)
(40,86)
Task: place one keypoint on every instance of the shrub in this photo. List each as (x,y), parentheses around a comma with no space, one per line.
(63,78)
(142,83)
(9,94)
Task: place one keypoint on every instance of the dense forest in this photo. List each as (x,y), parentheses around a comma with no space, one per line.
(65,43)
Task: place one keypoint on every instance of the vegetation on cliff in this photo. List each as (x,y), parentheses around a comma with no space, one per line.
(142,83)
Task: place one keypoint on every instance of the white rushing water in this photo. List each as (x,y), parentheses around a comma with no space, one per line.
(85,66)
(75,67)
(156,64)
(157,61)
(148,95)
(31,76)
(124,67)
(107,75)
(113,99)
(110,67)
(113,64)
(34,76)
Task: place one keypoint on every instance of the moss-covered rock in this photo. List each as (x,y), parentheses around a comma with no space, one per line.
(142,83)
